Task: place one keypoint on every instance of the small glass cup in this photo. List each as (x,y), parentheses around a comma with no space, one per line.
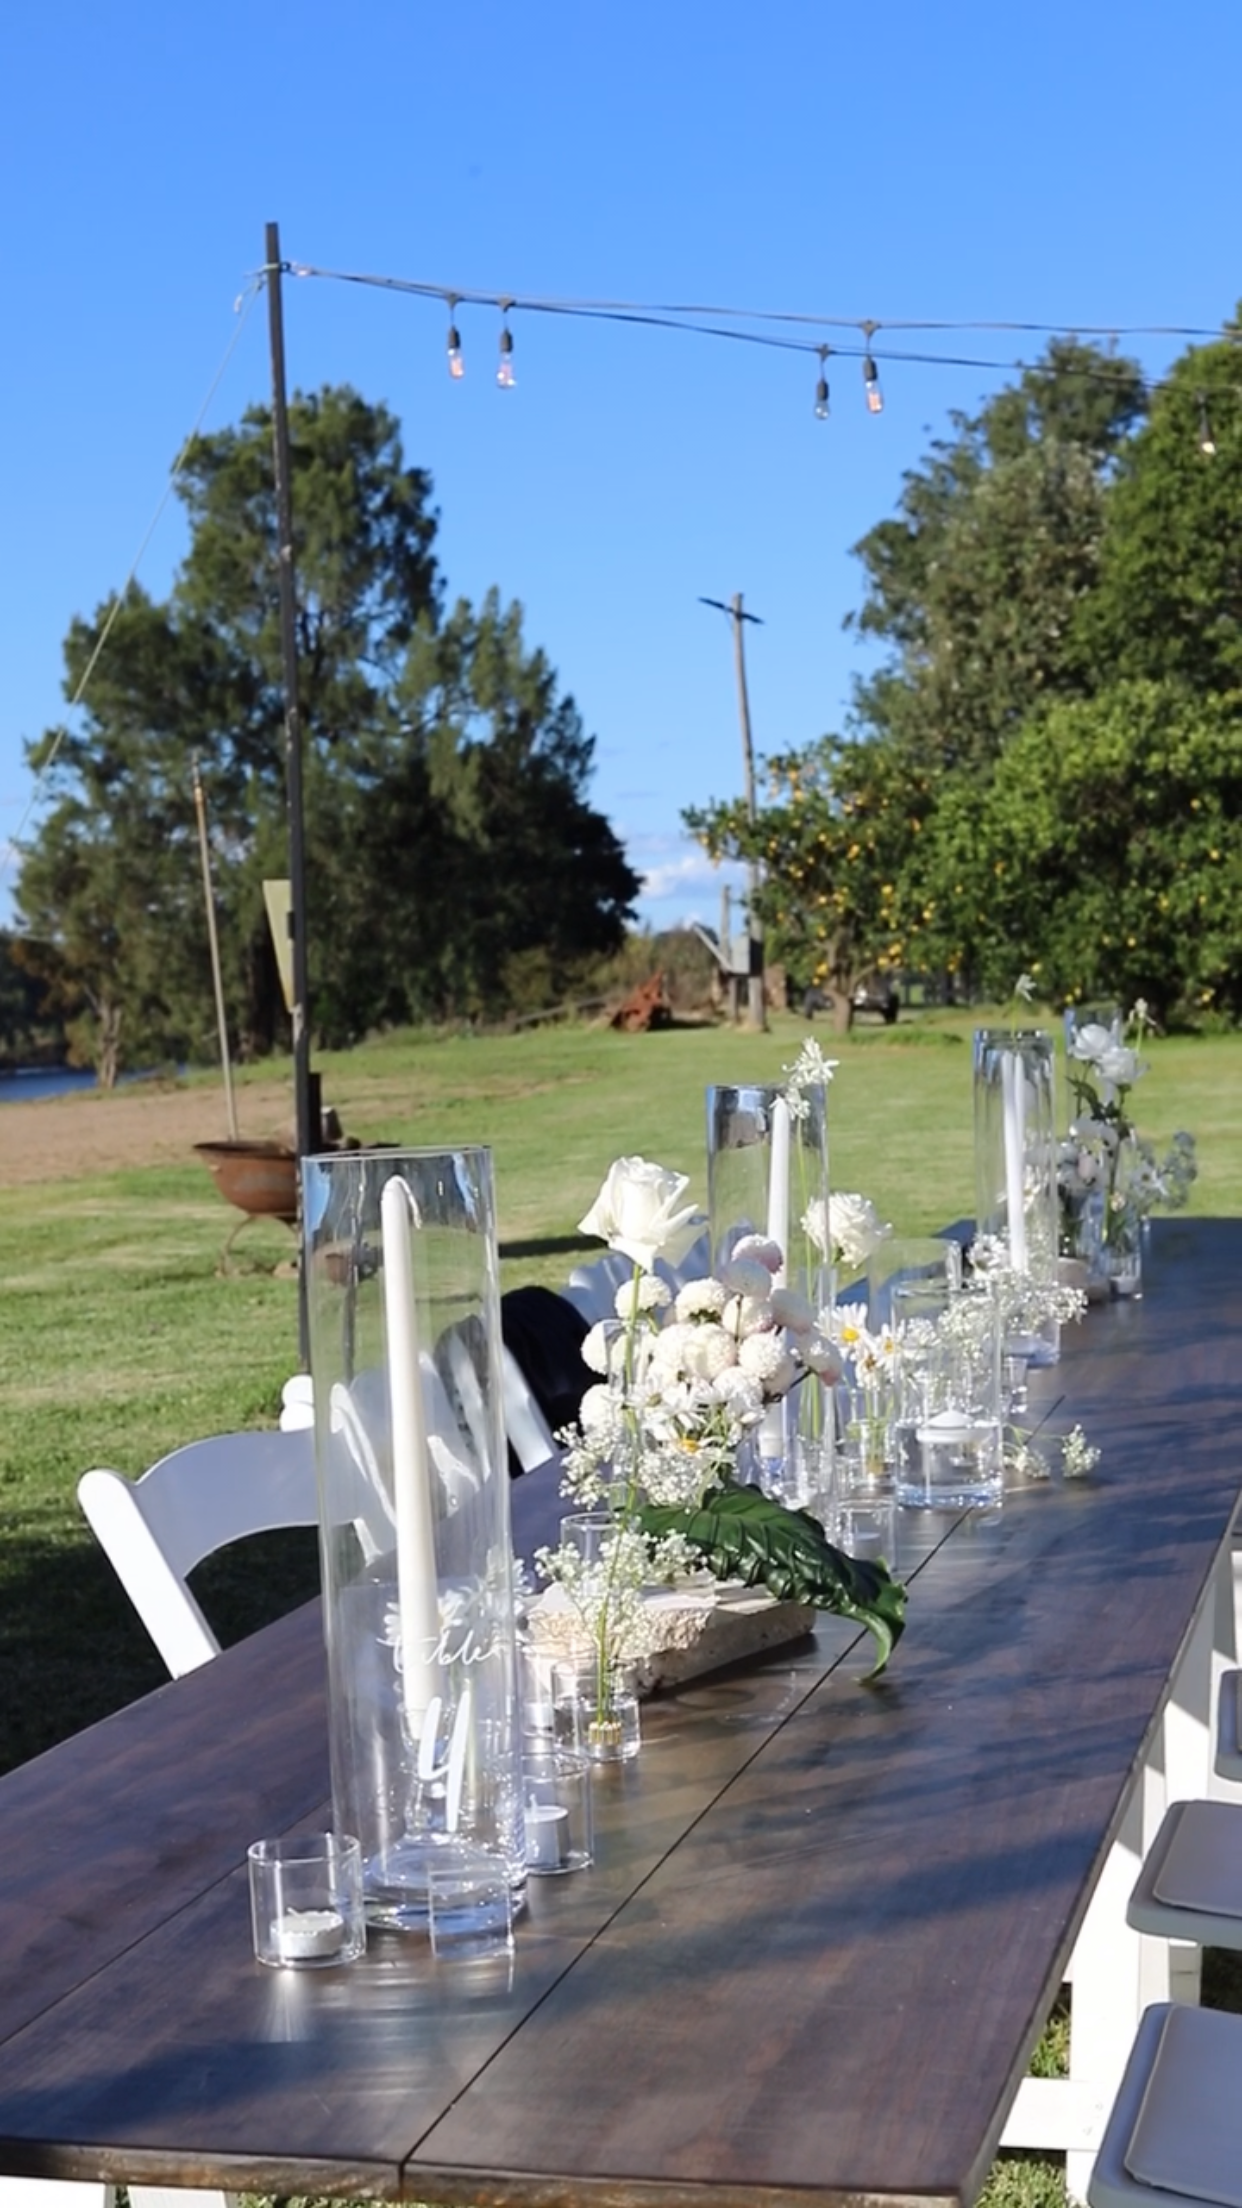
(535,1685)
(596,1710)
(558,1811)
(866,1526)
(470,1908)
(306,1901)
(909,1260)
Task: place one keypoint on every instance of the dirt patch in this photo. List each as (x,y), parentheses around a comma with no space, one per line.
(62,1138)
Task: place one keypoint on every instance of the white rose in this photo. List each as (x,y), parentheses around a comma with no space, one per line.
(1091,1041)
(1119,1065)
(639,1212)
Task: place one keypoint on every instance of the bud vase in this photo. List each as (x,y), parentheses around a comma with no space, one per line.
(767,1174)
(1016,1161)
(424,1721)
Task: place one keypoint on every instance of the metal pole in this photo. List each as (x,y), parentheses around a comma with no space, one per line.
(222,1025)
(756,1008)
(303,1087)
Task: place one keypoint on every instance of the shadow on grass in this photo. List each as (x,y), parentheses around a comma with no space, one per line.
(551,1245)
(72,1649)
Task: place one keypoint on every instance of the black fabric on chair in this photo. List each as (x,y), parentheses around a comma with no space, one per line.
(545,1334)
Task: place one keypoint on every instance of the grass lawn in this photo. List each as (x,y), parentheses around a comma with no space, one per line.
(119,1338)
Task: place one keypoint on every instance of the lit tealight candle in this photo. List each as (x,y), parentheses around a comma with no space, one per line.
(547,1836)
(309,1935)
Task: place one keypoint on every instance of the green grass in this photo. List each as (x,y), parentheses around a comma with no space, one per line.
(119,1337)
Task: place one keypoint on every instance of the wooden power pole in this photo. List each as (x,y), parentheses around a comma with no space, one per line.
(756,1005)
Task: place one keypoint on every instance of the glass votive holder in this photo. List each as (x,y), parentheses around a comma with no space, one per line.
(933,1262)
(470,1907)
(306,1900)
(535,1686)
(866,1525)
(560,1831)
(596,1709)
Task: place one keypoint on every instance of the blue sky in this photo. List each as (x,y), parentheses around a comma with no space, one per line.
(1063,164)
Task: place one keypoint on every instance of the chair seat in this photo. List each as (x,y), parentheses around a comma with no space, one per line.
(1190,1885)
(1175,2132)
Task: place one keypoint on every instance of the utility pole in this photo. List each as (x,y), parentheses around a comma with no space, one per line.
(304,1082)
(756,1008)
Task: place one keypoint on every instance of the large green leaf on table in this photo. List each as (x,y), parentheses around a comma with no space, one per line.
(742,1534)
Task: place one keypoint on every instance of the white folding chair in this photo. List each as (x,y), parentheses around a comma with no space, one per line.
(154,1530)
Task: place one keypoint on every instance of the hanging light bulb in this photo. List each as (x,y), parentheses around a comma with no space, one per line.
(821,388)
(871,374)
(504,373)
(1207,443)
(456,365)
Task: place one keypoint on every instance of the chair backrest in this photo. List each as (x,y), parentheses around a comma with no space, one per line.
(156,1529)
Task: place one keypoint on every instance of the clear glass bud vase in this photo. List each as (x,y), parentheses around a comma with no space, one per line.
(425,1736)
(1016,1159)
(767,1174)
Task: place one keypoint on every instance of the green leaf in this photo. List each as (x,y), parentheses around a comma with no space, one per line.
(742,1534)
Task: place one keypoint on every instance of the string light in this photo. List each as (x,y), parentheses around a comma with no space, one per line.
(821,388)
(714,321)
(871,374)
(504,373)
(456,365)
(1207,443)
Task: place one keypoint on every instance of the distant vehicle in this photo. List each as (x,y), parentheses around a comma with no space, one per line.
(875,993)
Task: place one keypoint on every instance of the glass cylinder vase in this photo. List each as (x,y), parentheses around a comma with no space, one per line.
(1016,1160)
(424,1716)
(767,1174)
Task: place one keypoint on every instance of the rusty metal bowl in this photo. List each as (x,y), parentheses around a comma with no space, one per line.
(259,1178)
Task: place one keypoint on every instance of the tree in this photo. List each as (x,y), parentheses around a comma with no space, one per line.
(1168,604)
(831,845)
(1103,855)
(975,585)
(447,822)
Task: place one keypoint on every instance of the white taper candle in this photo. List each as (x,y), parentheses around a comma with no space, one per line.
(417,1599)
(1013,1107)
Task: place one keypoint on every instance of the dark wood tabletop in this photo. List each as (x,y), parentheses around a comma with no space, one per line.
(827,1920)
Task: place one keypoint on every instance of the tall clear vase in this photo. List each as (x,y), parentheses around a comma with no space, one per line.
(1016,1160)
(767,1174)
(402,1279)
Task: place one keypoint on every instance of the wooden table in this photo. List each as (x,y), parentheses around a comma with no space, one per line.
(827,1921)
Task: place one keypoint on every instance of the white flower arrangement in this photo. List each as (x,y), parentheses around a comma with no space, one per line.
(846,1230)
(1109,1177)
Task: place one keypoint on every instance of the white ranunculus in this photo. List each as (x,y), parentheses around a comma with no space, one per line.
(700,1299)
(762,1249)
(597,1348)
(708,1352)
(854,1227)
(789,1307)
(645,1292)
(639,1211)
(765,1359)
(747,1315)
(746,1276)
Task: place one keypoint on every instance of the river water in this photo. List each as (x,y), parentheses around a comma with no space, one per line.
(28,1083)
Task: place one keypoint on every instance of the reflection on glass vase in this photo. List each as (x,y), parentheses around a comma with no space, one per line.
(1016,1198)
(767,1174)
(423,1712)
